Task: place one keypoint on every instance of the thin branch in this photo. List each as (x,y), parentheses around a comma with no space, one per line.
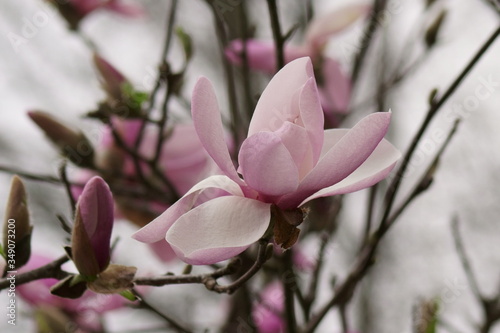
(464,259)
(394,186)
(67,185)
(31,176)
(158,281)
(51,270)
(426,179)
(369,33)
(365,259)
(262,257)
(145,305)
(166,47)
(220,29)
(289,285)
(279,41)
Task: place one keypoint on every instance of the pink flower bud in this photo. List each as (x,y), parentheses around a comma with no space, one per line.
(73,144)
(92,230)
(112,78)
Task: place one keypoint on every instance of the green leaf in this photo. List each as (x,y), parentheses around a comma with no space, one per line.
(128,295)
(133,96)
(187,42)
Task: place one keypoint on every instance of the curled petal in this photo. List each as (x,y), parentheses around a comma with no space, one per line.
(311,115)
(219,229)
(279,101)
(374,169)
(208,124)
(342,158)
(156,229)
(267,165)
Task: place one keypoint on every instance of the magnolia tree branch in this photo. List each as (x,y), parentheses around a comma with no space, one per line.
(51,270)
(345,290)
(369,33)
(210,279)
(394,186)
(31,176)
(172,323)
(220,30)
(279,41)
(166,47)
(206,279)
(490,306)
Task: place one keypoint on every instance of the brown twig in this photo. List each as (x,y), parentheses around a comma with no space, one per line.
(343,292)
(171,322)
(158,281)
(51,270)
(369,33)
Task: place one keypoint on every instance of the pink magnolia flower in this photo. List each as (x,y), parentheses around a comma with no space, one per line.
(267,313)
(286,160)
(335,85)
(90,239)
(85,311)
(84,7)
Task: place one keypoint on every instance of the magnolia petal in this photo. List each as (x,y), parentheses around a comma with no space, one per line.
(267,166)
(163,250)
(208,124)
(124,9)
(219,229)
(276,105)
(337,91)
(323,27)
(311,114)
(353,147)
(156,229)
(296,140)
(374,169)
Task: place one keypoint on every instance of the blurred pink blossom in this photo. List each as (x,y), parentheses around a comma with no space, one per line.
(286,160)
(85,7)
(267,312)
(84,311)
(334,84)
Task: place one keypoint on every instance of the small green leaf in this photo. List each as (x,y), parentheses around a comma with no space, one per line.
(128,295)
(187,43)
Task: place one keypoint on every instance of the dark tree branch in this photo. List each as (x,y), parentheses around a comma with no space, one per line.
(369,33)
(51,270)
(279,41)
(172,323)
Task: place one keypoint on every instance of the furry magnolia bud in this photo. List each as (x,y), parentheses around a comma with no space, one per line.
(72,144)
(112,79)
(16,227)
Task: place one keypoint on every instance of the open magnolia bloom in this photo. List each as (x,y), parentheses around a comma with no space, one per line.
(286,161)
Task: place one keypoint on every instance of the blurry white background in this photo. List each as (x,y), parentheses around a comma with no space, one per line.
(51,70)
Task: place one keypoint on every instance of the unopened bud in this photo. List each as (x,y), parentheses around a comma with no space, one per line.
(16,227)
(432,32)
(90,239)
(111,77)
(72,144)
